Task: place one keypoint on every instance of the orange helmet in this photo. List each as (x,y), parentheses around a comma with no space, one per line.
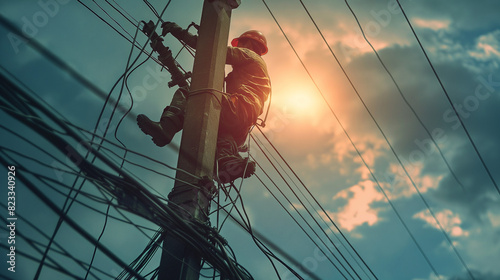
(255,35)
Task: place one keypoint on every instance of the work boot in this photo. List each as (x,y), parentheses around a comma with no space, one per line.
(231,168)
(163,131)
(231,165)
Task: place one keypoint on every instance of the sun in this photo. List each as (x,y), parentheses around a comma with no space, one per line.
(301,102)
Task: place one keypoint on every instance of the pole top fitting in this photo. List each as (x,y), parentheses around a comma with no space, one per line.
(234,3)
(231,3)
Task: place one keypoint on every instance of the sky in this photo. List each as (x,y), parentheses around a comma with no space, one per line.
(440,213)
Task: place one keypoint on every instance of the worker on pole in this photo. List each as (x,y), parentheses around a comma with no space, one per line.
(247,88)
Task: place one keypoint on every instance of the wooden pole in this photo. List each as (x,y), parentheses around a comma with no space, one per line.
(179,261)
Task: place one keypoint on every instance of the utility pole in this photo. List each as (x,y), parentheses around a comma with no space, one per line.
(179,261)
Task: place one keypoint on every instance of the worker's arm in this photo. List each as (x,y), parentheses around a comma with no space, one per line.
(179,33)
(236,56)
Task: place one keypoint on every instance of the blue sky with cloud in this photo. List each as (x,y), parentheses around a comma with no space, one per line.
(461,38)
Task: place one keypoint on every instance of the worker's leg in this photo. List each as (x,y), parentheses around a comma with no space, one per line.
(236,117)
(233,130)
(170,122)
(229,164)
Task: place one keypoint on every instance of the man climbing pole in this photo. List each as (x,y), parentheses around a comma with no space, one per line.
(247,88)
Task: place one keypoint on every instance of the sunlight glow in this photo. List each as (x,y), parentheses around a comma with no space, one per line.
(301,102)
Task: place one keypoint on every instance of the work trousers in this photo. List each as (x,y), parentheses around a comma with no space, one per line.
(238,114)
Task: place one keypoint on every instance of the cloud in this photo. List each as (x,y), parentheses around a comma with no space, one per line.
(487,47)
(494,219)
(435,24)
(449,221)
(433,277)
(401,186)
(358,210)
(477,243)
(296,206)
(463,15)
(481,250)
(478,275)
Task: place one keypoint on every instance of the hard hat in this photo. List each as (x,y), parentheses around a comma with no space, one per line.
(255,35)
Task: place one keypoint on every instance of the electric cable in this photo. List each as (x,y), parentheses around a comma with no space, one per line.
(69,202)
(44,150)
(236,197)
(241,183)
(383,134)
(307,210)
(152,8)
(69,221)
(414,185)
(293,218)
(106,215)
(245,224)
(36,245)
(274,246)
(261,146)
(127,17)
(104,134)
(57,61)
(412,236)
(312,217)
(113,181)
(309,74)
(452,106)
(113,19)
(397,87)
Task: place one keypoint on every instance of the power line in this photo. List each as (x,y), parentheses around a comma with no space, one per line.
(400,93)
(82,130)
(106,215)
(50,186)
(127,17)
(317,87)
(426,129)
(107,23)
(113,19)
(59,62)
(345,132)
(386,197)
(275,247)
(69,221)
(451,104)
(124,150)
(99,145)
(297,222)
(383,134)
(56,229)
(64,66)
(245,224)
(192,234)
(310,214)
(319,205)
(60,249)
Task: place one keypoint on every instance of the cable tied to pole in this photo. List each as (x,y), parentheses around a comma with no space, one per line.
(211,91)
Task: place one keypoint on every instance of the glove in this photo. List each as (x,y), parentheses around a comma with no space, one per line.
(168,27)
